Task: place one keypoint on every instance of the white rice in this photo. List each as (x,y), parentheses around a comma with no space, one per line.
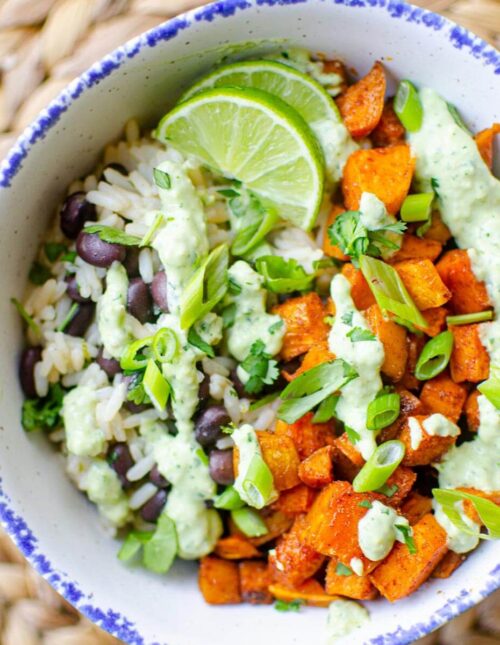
(146,268)
(141,496)
(141,468)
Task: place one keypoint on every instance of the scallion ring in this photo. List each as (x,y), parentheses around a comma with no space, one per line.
(435,356)
(417,208)
(379,467)
(165,345)
(249,522)
(469,319)
(408,107)
(156,386)
(133,358)
(229,500)
(383,411)
(258,482)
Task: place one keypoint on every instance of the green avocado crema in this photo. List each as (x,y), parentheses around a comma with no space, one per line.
(112,312)
(104,488)
(83,436)
(448,161)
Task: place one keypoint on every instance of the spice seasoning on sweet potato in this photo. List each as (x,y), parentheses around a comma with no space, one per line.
(393,338)
(350,586)
(468,294)
(423,283)
(441,394)
(398,486)
(409,405)
(295,501)
(472,411)
(306,435)
(310,592)
(236,547)
(219,581)
(348,461)
(416,248)
(415,506)
(361,293)
(317,469)
(254,583)
(448,565)
(430,447)
(469,359)
(436,321)
(317,355)
(484,142)
(437,231)
(389,130)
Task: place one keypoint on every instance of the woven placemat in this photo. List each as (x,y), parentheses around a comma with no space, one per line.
(43,45)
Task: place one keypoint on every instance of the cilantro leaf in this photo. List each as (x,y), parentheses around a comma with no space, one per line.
(347,318)
(358,334)
(365,503)
(352,435)
(53,250)
(44,413)
(342,570)
(197,341)
(136,393)
(292,605)
(408,537)
(388,490)
(39,274)
(260,367)
(283,276)
(162,178)
(113,235)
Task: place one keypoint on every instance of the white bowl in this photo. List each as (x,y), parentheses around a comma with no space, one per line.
(49,520)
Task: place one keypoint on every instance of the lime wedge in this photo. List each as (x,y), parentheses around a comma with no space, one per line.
(301,92)
(256,138)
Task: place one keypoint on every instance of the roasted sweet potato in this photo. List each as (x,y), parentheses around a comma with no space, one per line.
(305,325)
(393,338)
(437,231)
(219,581)
(281,456)
(277,523)
(348,461)
(390,130)
(306,435)
(361,293)
(469,295)
(361,105)
(448,565)
(402,480)
(310,592)
(423,283)
(317,355)
(472,411)
(402,572)
(430,448)
(410,405)
(236,547)
(350,586)
(317,469)
(416,248)
(254,583)
(443,395)
(323,508)
(469,359)
(295,501)
(484,142)
(415,345)
(386,172)
(294,560)
(415,507)
(436,321)
(330,249)
(468,506)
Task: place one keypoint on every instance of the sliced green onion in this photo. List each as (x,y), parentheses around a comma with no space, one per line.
(206,288)
(249,522)
(388,490)
(457,118)
(383,411)
(69,316)
(26,317)
(162,178)
(228,500)
(417,208)
(152,230)
(156,386)
(197,341)
(326,409)
(379,467)
(249,237)
(312,387)
(407,533)
(132,358)
(165,345)
(408,107)
(255,405)
(133,543)
(491,387)
(202,456)
(390,292)
(468,319)
(161,549)
(435,356)
(283,276)
(112,235)
(258,482)
(487,511)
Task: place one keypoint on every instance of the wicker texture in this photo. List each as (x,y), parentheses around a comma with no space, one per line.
(43,45)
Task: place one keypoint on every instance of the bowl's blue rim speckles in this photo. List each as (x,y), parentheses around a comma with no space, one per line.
(14,524)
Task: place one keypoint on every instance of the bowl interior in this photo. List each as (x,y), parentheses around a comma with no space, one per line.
(142,80)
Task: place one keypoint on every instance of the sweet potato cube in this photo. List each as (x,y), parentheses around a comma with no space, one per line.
(410,405)
(306,435)
(361,293)
(317,469)
(323,508)
(393,338)
(385,172)
(236,547)
(294,560)
(277,523)
(330,249)
(348,461)
(472,411)
(415,507)
(361,105)
(469,358)
(435,319)
(441,394)
(448,565)
(219,581)
(415,345)
(350,586)
(315,356)
(399,485)
(416,248)
(468,294)
(437,231)
(484,142)
(431,447)
(305,325)
(390,130)
(254,582)
(281,456)
(336,67)
(423,283)
(402,572)
(310,592)
(295,501)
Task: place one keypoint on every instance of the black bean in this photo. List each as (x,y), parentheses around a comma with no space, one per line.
(156,478)
(73,291)
(152,509)
(238,385)
(121,461)
(80,322)
(220,466)
(139,300)
(204,389)
(208,424)
(109,365)
(135,408)
(29,358)
(95,251)
(131,262)
(75,211)
(159,291)
(290,367)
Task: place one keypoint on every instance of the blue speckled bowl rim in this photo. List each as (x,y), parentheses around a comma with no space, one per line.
(112,621)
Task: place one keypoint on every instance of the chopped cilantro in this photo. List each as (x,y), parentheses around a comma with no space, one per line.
(359,334)
(260,367)
(43,413)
